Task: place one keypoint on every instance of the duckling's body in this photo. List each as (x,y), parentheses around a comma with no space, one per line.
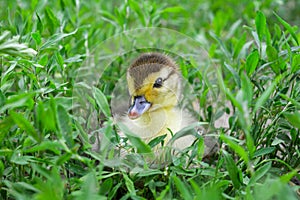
(154,84)
(159,122)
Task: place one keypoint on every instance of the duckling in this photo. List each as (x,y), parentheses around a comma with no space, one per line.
(154,85)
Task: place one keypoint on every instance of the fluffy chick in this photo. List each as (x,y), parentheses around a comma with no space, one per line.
(154,84)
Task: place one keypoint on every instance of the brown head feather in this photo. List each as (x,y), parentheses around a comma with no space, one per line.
(153,58)
(149,63)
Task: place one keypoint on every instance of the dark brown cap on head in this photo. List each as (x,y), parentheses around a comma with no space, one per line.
(153,58)
(149,63)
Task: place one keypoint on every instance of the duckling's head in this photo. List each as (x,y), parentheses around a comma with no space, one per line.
(154,83)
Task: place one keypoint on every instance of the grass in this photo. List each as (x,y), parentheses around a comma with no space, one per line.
(61,63)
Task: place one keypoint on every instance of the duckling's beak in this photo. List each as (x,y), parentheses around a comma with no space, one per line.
(139,106)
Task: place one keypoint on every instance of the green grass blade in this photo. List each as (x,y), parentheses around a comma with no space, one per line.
(235,75)
(55,39)
(181,187)
(135,140)
(236,147)
(266,94)
(234,172)
(288,27)
(264,151)
(89,188)
(101,102)
(259,173)
(64,124)
(129,184)
(252,62)
(17,101)
(260,22)
(293,118)
(24,124)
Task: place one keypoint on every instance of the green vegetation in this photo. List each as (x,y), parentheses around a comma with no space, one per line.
(46,149)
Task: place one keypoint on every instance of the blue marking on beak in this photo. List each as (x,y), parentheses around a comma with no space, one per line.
(140,106)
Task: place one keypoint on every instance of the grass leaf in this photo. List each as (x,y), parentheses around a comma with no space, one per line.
(252,62)
(174,9)
(293,118)
(101,102)
(288,27)
(295,63)
(189,130)
(129,184)
(135,140)
(17,101)
(266,94)
(247,88)
(157,140)
(235,75)
(234,172)
(89,189)
(24,124)
(136,7)
(236,147)
(64,124)
(184,191)
(260,22)
(106,186)
(55,39)
(259,173)
(264,151)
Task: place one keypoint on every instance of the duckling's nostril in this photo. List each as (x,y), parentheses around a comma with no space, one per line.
(139,106)
(142,102)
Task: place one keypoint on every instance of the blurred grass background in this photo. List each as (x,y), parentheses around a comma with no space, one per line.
(45,152)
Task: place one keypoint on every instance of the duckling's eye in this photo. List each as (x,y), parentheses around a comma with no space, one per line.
(158,83)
